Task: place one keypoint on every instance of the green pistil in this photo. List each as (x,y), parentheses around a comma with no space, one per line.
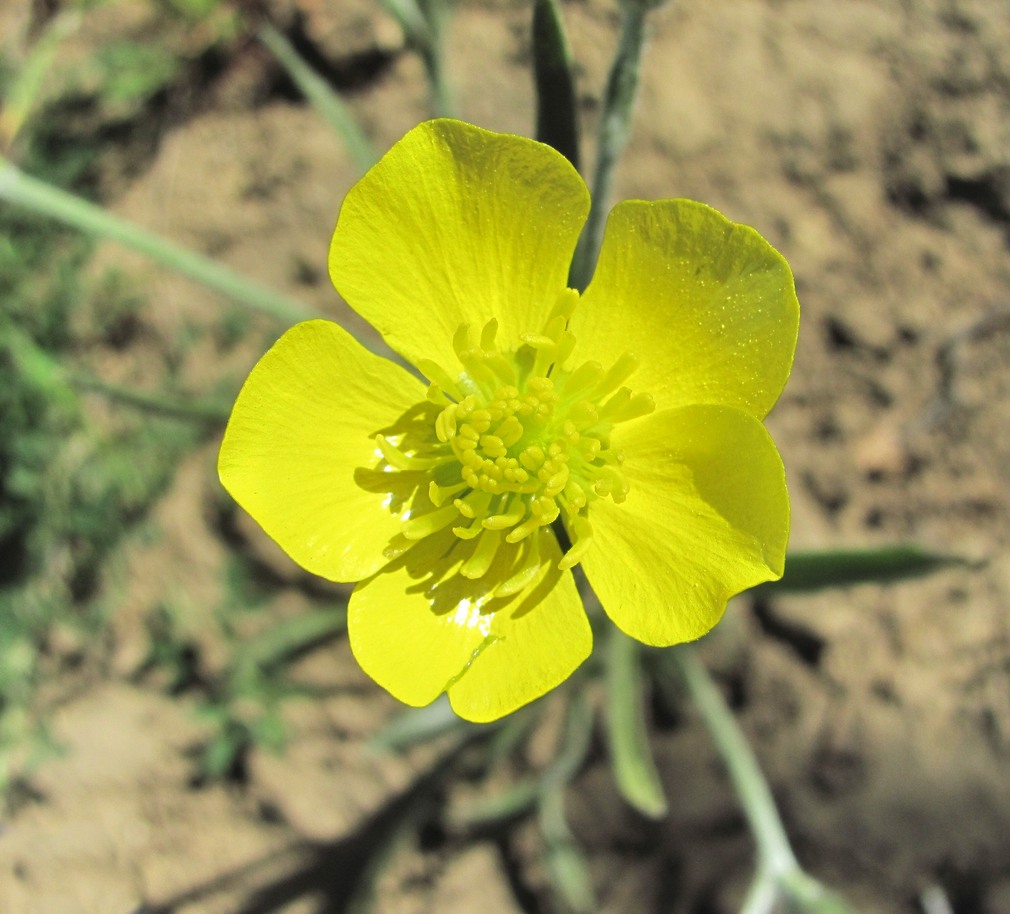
(518,441)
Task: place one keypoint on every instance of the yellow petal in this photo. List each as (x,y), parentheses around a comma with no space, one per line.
(707,517)
(418,628)
(457,225)
(539,645)
(301,429)
(707,305)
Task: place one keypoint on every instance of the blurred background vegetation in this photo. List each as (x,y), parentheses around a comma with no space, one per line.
(82,461)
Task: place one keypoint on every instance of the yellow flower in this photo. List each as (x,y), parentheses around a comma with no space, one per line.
(445,499)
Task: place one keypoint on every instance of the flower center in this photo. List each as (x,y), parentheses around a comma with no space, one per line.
(518,441)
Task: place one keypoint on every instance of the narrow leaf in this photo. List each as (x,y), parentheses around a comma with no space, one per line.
(23,190)
(411,20)
(500,807)
(627,734)
(419,725)
(423,23)
(808,571)
(290,637)
(557,113)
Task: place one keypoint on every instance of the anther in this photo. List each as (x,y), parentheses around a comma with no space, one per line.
(417,528)
(396,458)
(585,377)
(616,405)
(565,304)
(508,519)
(509,431)
(581,532)
(493,446)
(445,424)
(436,395)
(556,483)
(438,494)
(488,334)
(527,573)
(468,533)
(483,555)
(575,495)
(538,341)
(619,372)
(520,532)
(438,375)
(532,458)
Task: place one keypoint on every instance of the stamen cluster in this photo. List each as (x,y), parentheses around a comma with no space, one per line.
(518,441)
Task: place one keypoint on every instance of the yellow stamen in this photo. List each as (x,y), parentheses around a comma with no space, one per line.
(483,555)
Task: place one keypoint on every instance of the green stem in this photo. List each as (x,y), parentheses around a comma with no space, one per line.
(615,126)
(437,14)
(23,190)
(326,102)
(780,882)
(775,853)
(291,637)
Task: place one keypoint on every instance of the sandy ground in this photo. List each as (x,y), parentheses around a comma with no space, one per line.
(870,142)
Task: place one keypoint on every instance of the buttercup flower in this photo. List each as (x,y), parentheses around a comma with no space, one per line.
(620,429)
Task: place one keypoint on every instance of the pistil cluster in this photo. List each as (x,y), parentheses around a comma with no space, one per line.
(519,441)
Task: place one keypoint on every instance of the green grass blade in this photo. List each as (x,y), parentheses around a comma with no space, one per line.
(499,808)
(25,91)
(158,404)
(565,860)
(418,725)
(23,190)
(320,95)
(810,571)
(627,735)
(557,113)
(291,636)
(423,23)
(412,21)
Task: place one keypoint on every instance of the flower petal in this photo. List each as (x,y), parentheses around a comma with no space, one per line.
(707,305)
(540,644)
(707,517)
(301,429)
(418,628)
(457,225)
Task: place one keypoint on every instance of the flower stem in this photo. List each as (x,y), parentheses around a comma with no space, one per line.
(751,787)
(23,190)
(615,124)
(423,23)
(327,103)
(434,59)
(779,874)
